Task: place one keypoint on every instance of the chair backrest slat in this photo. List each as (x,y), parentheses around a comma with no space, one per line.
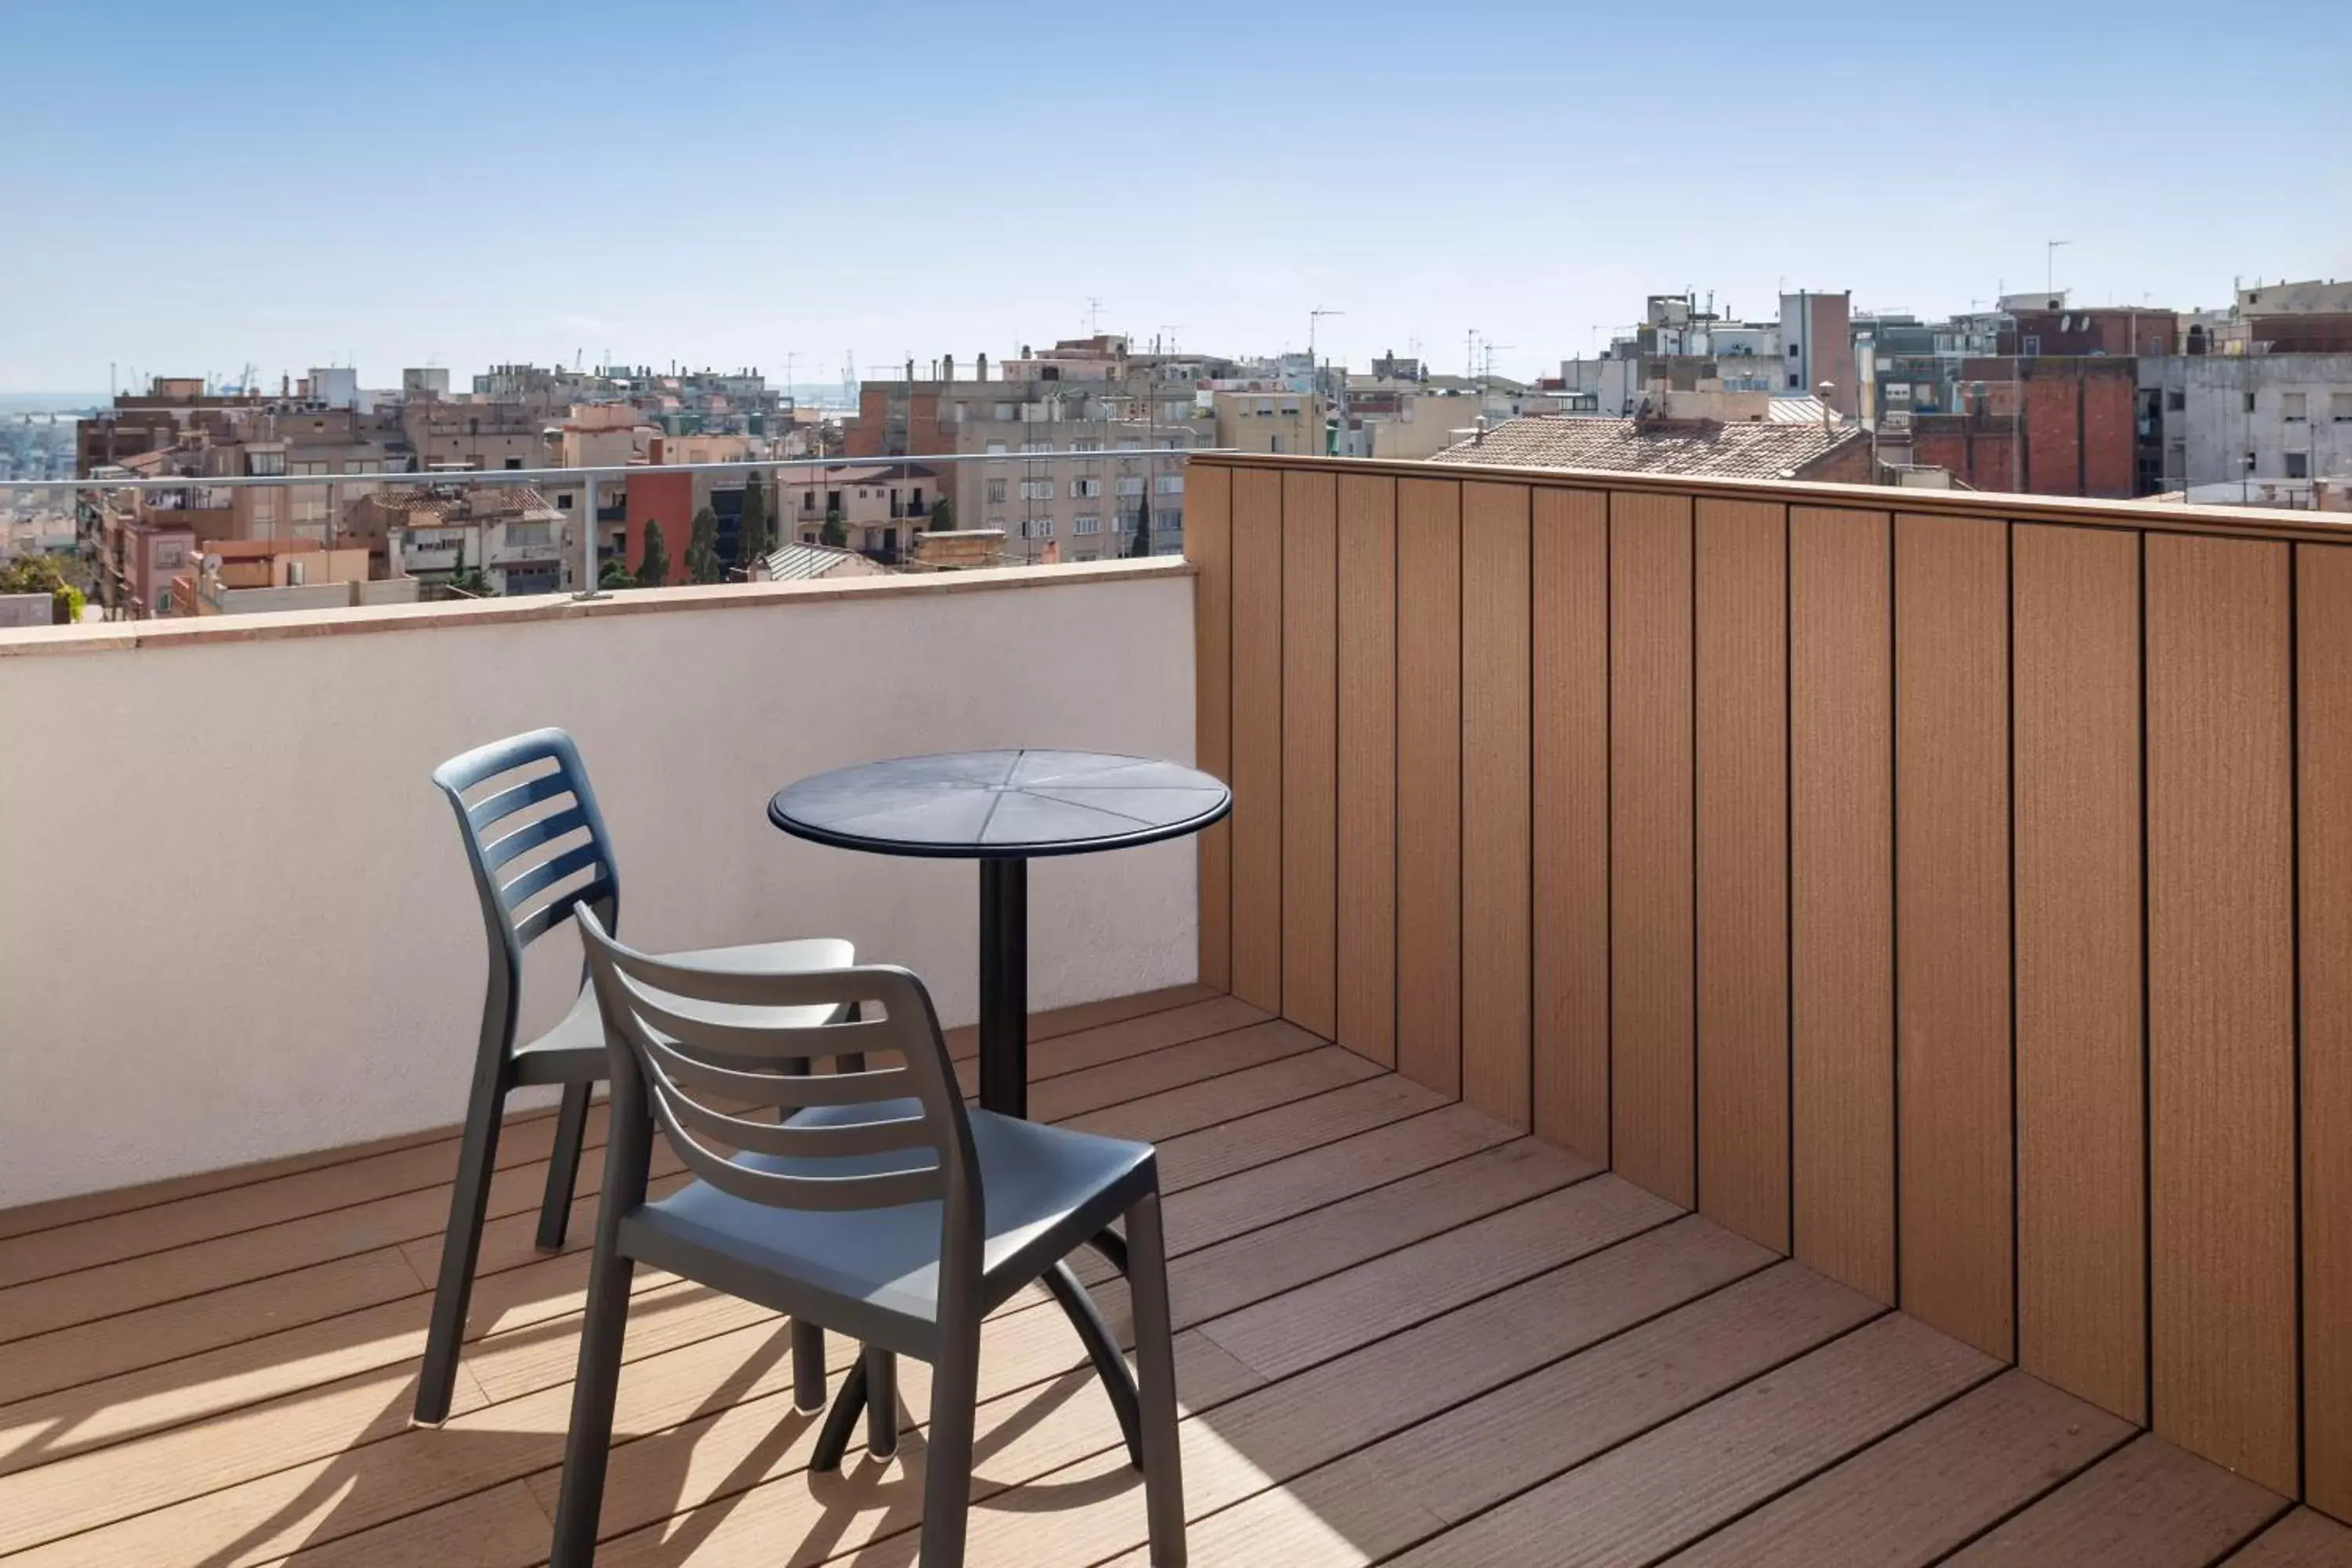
(746,1040)
(504,849)
(507,802)
(693,1037)
(850,1139)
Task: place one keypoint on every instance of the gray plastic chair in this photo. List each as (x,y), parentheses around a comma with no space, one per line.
(877,1205)
(538,849)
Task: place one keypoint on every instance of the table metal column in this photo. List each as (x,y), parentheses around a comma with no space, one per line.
(1004,988)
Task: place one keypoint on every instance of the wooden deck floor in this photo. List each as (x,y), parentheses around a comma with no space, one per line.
(1406,1335)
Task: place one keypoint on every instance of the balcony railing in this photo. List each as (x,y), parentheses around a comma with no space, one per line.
(1956,897)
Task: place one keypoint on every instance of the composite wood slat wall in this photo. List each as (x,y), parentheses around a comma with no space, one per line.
(1570,655)
(1367,759)
(1498,952)
(1310,714)
(1960,902)
(1952,860)
(1652,1015)
(1740,605)
(2082,1198)
(2220,1038)
(2324,693)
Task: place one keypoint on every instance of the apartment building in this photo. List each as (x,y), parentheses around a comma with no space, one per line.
(1276,422)
(883,507)
(2253,428)
(511,533)
(1079,445)
(1685,344)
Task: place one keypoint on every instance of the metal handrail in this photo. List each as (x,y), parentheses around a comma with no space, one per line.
(587,478)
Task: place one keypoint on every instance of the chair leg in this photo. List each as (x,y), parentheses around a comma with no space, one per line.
(808,1366)
(1155,1361)
(580,1505)
(564,1166)
(881,1402)
(947,1479)
(461,1246)
(833,1438)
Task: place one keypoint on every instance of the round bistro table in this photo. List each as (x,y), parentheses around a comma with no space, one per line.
(1006,809)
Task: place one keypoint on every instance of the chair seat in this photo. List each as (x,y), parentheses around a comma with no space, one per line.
(574,1050)
(1046,1191)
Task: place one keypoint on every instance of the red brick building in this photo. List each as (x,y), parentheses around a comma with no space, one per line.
(667,499)
(2107,329)
(2077,436)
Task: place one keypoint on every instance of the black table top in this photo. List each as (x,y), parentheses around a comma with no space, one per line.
(1001,805)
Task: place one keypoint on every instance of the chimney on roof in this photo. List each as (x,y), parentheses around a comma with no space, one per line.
(1823,390)
(981,373)
(947,368)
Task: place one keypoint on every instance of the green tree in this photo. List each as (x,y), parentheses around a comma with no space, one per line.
(942,515)
(758,536)
(702,548)
(1141,545)
(836,532)
(469,580)
(616,574)
(653,566)
(44,575)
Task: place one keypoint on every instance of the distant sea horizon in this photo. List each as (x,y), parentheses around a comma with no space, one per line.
(51,402)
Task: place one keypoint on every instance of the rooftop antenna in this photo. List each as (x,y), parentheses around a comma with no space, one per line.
(1094,315)
(1314,319)
(2050,264)
(1172,329)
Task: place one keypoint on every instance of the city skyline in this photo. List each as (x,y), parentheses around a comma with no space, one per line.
(465,186)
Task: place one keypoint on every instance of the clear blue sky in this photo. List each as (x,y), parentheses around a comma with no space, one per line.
(186,189)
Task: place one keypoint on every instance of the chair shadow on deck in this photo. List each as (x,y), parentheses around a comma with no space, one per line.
(373,1486)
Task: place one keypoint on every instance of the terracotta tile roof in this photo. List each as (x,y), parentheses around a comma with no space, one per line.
(1744,451)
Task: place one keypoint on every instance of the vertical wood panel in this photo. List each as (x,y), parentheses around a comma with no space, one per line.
(2081,1256)
(1208,542)
(1952,939)
(1842,1050)
(1368,762)
(1311,696)
(2220,1003)
(1258,737)
(1653,1001)
(1496,855)
(1568,557)
(2324,628)
(1429,782)
(1740,562)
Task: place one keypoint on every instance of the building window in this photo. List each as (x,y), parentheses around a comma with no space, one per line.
(1037,528)
(1036,489)
(997,523)
(2032,346)
(1795,349)
(1086,444)
(1274,445)
(2339,407)
(265,464)
(1131,487)
(995,492)
(1089,525)
(996,448)
(2176,403)
(1006,412)
(1033,448)
(1084,488)
(563,502)
(2294,407)
(513,463)
(1795,379)
(1168,485)
(2298,465)
(2249,403)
